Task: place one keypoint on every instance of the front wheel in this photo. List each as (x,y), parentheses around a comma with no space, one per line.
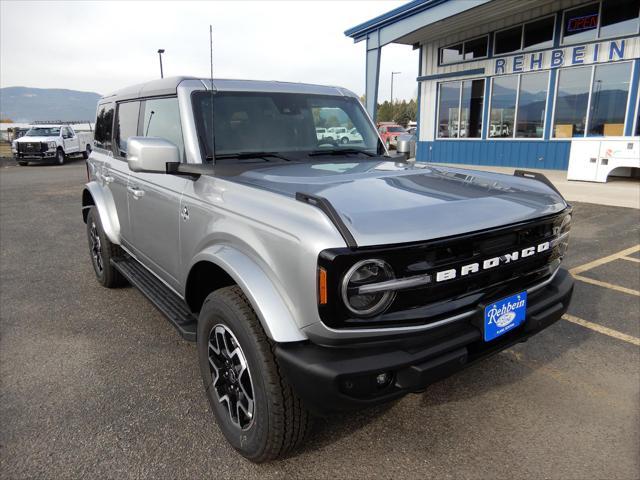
(344,140)
(255,407)
(60,157)
(23,164)
(102,251)
(87,152)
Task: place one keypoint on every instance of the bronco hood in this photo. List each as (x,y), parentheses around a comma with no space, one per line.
(386,202)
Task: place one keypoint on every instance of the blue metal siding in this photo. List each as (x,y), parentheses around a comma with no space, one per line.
(504,153)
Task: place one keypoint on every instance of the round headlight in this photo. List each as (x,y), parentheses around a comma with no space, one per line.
(52,145)
(365,272)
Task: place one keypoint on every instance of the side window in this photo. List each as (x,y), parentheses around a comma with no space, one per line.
(126,125)
(162,119)
(104,126)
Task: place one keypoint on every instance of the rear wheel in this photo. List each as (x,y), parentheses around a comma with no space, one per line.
(60,157)
(255,407)
(102,251)
(344,140)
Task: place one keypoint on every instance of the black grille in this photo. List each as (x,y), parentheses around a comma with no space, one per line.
(32,147)
(435,301)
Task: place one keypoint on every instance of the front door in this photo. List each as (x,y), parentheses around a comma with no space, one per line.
(154,198)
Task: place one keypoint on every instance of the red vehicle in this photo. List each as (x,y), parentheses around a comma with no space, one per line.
(390,133)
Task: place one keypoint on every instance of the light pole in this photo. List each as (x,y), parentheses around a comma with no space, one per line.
(160,52)
(392,74)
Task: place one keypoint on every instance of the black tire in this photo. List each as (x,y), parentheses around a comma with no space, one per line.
(23,164)
(102,251)
(60,156)
(87,152)
(344,140)
(279,421)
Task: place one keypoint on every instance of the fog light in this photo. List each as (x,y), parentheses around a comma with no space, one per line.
(383,379)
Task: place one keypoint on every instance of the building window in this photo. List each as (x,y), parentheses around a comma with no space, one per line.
(539,34)
(608,104)
(581,24)
(465,51)
(619,17)
(448,109)
(126,124)
(571,102)
(504,94)
(602,104)
(460,109)
(451,54)
(609,18)
(508,41)
(532,99)
(162,119)
(471,108)
(474,49)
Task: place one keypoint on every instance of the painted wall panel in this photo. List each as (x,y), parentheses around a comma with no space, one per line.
(504,153)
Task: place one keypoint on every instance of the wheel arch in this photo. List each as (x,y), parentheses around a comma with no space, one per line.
(95,196)
(232,267)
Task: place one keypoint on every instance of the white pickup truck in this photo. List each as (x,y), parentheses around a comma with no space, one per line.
(51,142)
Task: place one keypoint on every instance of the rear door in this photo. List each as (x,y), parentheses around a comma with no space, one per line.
(154,198)
(107,167)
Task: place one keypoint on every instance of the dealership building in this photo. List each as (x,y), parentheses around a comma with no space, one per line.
(517,83)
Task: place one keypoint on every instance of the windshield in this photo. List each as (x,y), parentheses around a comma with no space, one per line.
(284,123)
(396,129)
(43,132)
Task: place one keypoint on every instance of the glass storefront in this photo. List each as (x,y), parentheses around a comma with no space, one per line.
(460,109)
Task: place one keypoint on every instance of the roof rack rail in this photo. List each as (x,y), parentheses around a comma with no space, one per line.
(325,205)
(536,176)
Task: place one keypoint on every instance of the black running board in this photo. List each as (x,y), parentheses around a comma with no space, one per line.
(164,299)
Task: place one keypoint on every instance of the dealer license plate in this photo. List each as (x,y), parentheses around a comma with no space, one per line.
(504,315)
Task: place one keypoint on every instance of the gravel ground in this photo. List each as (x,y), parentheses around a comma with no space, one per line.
(94,383)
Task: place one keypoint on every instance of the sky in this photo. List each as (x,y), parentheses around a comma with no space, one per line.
(104,46)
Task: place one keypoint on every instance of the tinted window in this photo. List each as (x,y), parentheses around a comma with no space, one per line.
(104,125)
(503,106)
(451,54)
(619,17)
(531,105)
(126,124)
(581,24)
(609,99)
(539,34)
(475,48)
(509,40)
(471,108)
(448,110)
(571,102)
(162,119)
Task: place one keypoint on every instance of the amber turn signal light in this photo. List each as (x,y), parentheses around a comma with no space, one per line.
(322,286)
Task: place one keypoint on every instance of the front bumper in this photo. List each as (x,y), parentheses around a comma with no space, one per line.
(35,157)
(332,379)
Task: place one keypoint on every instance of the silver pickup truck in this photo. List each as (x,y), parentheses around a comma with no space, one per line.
(315,277)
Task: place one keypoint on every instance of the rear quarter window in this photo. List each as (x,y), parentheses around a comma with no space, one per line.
(104,126)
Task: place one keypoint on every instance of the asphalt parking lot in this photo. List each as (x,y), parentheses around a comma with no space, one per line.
(96,384)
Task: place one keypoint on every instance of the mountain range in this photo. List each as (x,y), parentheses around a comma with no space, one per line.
(24,104)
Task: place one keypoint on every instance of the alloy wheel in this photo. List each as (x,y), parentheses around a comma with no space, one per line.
(231,377)
(96,247)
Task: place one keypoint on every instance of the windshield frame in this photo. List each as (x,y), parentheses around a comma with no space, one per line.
(49,134)
(297,154)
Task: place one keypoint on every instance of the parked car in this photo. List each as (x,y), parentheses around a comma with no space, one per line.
(313,279)
(321,133)
(353,136)
(338,134)
(390,134)
(51,142)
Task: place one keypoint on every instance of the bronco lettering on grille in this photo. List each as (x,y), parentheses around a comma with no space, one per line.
(490,263)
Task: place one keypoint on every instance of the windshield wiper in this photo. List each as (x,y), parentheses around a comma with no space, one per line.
(340,151)
(244,155)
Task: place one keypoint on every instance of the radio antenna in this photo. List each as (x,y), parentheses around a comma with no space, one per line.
(213,157)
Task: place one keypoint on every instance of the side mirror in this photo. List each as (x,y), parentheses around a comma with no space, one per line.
(151,154)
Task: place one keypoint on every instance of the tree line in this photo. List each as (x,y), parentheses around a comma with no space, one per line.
(399,112)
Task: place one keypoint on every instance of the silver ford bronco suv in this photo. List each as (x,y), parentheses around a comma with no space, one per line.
(314,276)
